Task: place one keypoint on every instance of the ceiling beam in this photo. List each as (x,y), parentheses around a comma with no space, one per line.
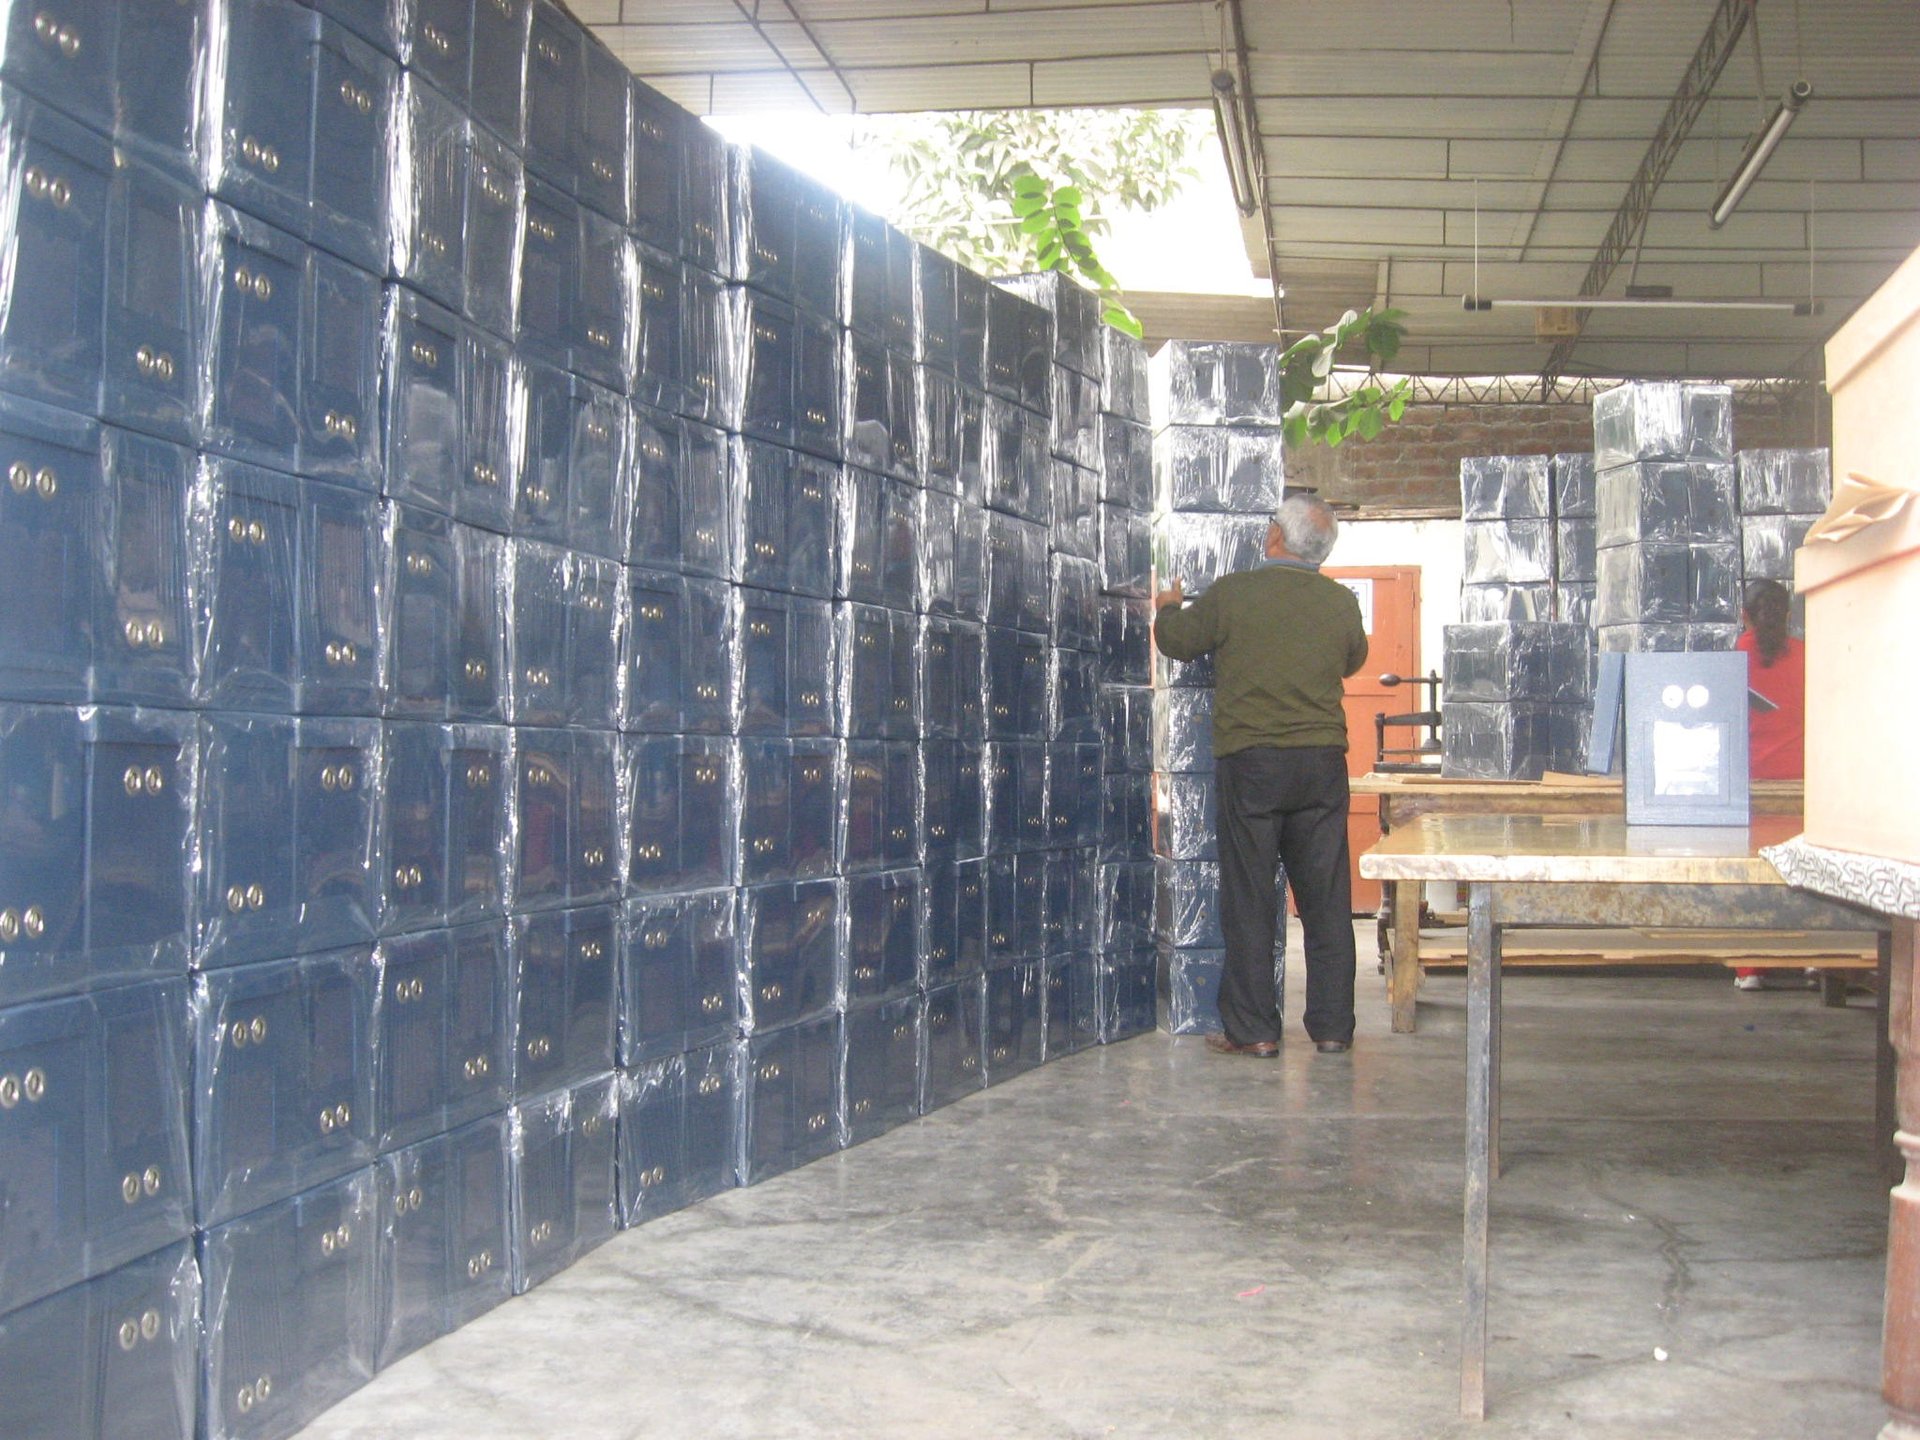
(1724,30)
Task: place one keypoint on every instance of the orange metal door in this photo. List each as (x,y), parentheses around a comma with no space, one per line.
(1389,599)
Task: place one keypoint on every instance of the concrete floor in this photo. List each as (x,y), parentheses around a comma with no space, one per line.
(1151,1240)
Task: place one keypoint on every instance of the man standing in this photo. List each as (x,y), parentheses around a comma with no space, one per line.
(1283,637)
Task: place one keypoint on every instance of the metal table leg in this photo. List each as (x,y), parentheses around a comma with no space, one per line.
(1403,980)
(1482,969)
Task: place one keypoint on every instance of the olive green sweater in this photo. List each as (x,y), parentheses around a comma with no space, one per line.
(1282,638)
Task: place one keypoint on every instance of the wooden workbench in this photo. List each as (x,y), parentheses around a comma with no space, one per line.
(1404,798)
(1529,871)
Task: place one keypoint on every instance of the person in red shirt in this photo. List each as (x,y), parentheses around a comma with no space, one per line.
(1776,671)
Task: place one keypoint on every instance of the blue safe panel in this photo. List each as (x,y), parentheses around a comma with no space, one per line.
(422,578)
(882,1066)
(50,502)
(603,144)
(140,773)
(539,633)
(542,506)
(414,827)
(593,865)
(488,431)
(338,616)
(499,70)
(656,659)
(151,362)
(598,504)
(142,620)
(480,666)
(424,435)
(549,273)
(336,765)
(658,143)
(479,1044)
(249,527)
(593,637)
(53,239)
(283,1078)
(292,1312)
(340,374)
(656,973)
(432,161)
(496,197)
(543,770)
(353,96)
(654,536)
(246,908)
(479,767)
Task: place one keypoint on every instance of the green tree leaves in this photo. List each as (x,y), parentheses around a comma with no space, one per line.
(1364,411)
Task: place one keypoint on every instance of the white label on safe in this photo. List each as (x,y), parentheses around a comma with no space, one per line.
(1686,759)
(1363,592)
(1697,697)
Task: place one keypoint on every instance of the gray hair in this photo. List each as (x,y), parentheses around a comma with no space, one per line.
(1306,523)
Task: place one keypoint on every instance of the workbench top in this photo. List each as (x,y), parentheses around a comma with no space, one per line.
(1576,848)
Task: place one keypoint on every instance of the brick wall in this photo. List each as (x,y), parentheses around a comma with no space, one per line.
(1413,468)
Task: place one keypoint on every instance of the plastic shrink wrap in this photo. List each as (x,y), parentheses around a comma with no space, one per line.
(952,1064)
(1198,549)
(1767,544)
(1126,460)
(292,1309)
(445,1041)
(1183,731)
(1508,551)
(1544,661)
(1506,487)
(445,1235)
(1573,476)
(562,1149)
(881,1066)
(116,1355)
(1500,601)
(1074,431)
(1662,420)
(1126,552)
(1015,1021)
(1126,990)
(1126,641)
(1512,740)
(1664,582)
(1236,469)
(1665,501)
(676,1133)
(788,1097)
(1077,325)
(1784,482)
(1207,382)
(1574,544)
(1125,392)
(1183,819)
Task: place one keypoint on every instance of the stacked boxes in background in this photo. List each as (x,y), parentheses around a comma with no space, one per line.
(479,771)
(1515,698)
(1506,509)
(1781,494)
(1667,568)
(1122,894)
(1571,476)
(1219,476)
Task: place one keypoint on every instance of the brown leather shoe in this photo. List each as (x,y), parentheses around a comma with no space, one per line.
(1332,1047)
(1259,1049)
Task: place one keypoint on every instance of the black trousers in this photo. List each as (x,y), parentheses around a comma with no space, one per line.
(1284,807)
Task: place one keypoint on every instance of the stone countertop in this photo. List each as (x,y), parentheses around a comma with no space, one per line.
(1576,848)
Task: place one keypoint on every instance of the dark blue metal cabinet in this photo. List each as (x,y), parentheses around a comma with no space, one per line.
(53,228)
(479,1235)
(593,640)
(338,617)
(816,1088)
(260,145)
(903,676)
(601,344)
(251,311)
(489,438)
(539,1132)
(424,440)
(482,635)
(767,990)
(651,780)
(902,834)
(555,82)
(658,131)
(937,423)
(1005,941)
(970,916)
(140,782)
(378,22)
(939,895)
(763,621)
(142,618)
(539,633)
(151,359)
(762,196)
(714,940)
(765,1129)
(819,226)
(950,1046)
(45,1056)
(766,484)
(863,800)
(479,1047)
(655,658)
(1003,827)
(882,933)
(900,547)
(706,501)
(340,379)
(412,1037)
(760,399)
(479,766)
(337,765)
(705,343)
(1015,1033)
(712,1116)
(653,537)
(598,503)
(549,273)
(154,97)
(814,489)
(937,337)
(593,866)
(49,509)
(283,1078)
(496,198)
(1030,902)
(711,657)
(866,669)
(811,801)
(541,1001)
(709,811)
(819,386)
(939,680)
(970,801)
(245,908)
(939,784)
(765,810)
(1031,766)
(248,531)
(354,87)
(863,537)
(653,1139)
(292,1312)
(810,667)
(659,370)
(970,696)
(432,163)
(414,828)
(543,772)
(499,72)
(592,989)
(146,1335)
(592,1156)
(436,41)
(421,580)
(604,142)
(882,1066)
(656,978)
(868,440)
(63,53)
(542,506)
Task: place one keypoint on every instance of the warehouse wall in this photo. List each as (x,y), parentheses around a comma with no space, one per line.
(1413,468)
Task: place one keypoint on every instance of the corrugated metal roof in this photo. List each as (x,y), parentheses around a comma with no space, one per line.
(1387,124)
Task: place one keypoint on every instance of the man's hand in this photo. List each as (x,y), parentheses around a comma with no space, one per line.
(1172,595)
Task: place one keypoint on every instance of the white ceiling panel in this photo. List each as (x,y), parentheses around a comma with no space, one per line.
(1383,124)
